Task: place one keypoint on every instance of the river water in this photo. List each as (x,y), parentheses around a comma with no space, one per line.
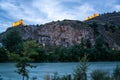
(7,70)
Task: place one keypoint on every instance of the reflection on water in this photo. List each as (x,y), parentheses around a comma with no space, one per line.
(7,70)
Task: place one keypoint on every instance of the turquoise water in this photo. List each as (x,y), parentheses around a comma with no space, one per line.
(7,70)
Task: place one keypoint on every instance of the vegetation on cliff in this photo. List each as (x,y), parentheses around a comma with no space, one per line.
(99,52)
(67,40)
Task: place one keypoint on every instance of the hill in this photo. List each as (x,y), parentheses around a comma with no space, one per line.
(108,25)
(69,32)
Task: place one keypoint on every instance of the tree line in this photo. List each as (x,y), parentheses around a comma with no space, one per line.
(13,44)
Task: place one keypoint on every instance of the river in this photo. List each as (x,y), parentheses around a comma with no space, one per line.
(7,70)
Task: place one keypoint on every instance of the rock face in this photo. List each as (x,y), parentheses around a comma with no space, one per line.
(69,32)
(61,33)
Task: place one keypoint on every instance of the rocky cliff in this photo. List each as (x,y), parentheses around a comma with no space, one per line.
(60,33)
(70,32)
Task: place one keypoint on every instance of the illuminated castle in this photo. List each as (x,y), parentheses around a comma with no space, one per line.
(17,23)
(91,17)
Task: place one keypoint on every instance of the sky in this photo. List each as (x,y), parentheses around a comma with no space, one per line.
(44,11)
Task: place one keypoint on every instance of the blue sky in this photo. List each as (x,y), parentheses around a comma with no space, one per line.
(44,11)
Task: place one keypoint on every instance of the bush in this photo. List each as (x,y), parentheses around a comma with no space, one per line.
(100,75)
(80,72)
(116,73)
(3,54)
(56,77)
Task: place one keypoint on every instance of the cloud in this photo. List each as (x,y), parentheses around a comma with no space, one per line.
(57,11)
(21,11)
(117,7)
(52,10)
(43,11)
(4,26)
(84,10)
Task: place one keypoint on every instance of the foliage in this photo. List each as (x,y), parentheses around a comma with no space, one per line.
(94,25)
(116,73)
(100,75)
(80,72)
(95,75)
(103,75)
(13,41)
(100,51)
(57,77)
(41,56)
(30,48)
(23,59)
(14,57)
(3,54)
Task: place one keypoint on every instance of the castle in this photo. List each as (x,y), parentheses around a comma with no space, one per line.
(17,23)
(93,16)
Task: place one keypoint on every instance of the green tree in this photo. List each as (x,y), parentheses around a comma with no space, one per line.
(41,57)
(100,44)
(80,71)
(23,59)
(100,75)
(88,43)
(76,52)
(116,73)
(3,54)
(13,41)
(94,25)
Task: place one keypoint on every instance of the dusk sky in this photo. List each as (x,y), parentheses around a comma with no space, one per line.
(44,11)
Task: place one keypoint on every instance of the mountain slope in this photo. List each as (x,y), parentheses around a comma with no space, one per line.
(60,33)
(69,32)
(109,27)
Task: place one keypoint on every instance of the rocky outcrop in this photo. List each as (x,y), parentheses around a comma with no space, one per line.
(63,35)
(60,33)
(69,32)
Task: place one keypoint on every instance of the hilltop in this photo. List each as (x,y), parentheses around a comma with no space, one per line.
(113,18)
(69,32)
(108,25)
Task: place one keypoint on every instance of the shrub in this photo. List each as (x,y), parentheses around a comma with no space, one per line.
(80,72)
(100,75)
(116,73)
(56,77)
